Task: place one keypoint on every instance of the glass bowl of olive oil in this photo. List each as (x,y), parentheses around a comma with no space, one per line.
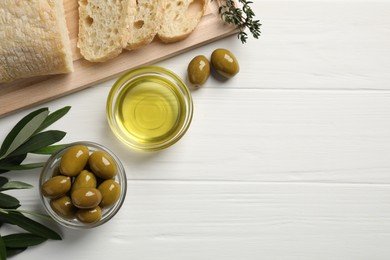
(149,108)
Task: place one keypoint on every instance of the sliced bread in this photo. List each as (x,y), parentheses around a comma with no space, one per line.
(180,19)
(103,27)
(146,24)
(34,39)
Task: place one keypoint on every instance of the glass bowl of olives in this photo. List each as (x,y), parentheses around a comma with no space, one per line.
(149,108)
(83,185)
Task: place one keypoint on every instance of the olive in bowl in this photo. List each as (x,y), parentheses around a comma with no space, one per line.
(83,185)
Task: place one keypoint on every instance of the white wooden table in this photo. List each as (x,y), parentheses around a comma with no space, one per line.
(288,160)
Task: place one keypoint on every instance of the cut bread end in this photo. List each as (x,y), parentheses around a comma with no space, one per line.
(103,28)
(180,19)
(146,23)
(64,36)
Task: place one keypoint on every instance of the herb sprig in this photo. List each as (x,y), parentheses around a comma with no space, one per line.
(27,136)
(243,18)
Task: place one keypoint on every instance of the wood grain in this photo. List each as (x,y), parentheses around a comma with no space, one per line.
(254,135)
(289,160)
(324,45)
(27,92)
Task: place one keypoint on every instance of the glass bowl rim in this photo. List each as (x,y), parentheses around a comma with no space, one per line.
(134,74)
(109,213)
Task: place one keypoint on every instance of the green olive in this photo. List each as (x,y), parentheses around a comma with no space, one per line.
(198,70)
(64,207)
(110,191)
(89,215)
(56,186)
(86,198)
(102,165)
(84,179)
(56,171)
(74,160)
(224,62)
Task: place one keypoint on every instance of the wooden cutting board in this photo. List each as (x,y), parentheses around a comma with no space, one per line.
(33,91)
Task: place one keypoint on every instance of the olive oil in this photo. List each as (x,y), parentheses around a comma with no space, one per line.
(150,110)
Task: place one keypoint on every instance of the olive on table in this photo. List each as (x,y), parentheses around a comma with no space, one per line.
(102,165)
(224,63)
(89,215)
(85,179)
(64,207)
(198,70)
(110,191)
(56,186)
(74,160)
(86,198)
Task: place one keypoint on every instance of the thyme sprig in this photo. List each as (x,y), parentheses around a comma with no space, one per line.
(27,136)
(243,18)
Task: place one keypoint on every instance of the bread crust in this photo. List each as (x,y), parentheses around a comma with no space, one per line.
(33,39)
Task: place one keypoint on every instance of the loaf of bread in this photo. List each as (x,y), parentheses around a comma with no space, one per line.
(34,39)
(180,19)
(103,27)
(146,24)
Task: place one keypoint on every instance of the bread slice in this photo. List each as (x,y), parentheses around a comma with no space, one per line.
(34,39)
(180,19)
(146,24)
(103,28)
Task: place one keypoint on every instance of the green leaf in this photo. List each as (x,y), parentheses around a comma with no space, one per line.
(8,202)
(15,251)
(15,160)
(53,117)
(3,180)
(13,185)
(3,250)
(27,166)
(21,240)
(39,141)
(23,130)
(28,224)
(49,149)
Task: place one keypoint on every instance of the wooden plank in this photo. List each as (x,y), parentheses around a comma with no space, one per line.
(236,220)
(25,93)
(321,45)
(252,135)
(279,174)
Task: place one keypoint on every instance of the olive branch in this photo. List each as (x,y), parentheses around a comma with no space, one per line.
(27,136)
